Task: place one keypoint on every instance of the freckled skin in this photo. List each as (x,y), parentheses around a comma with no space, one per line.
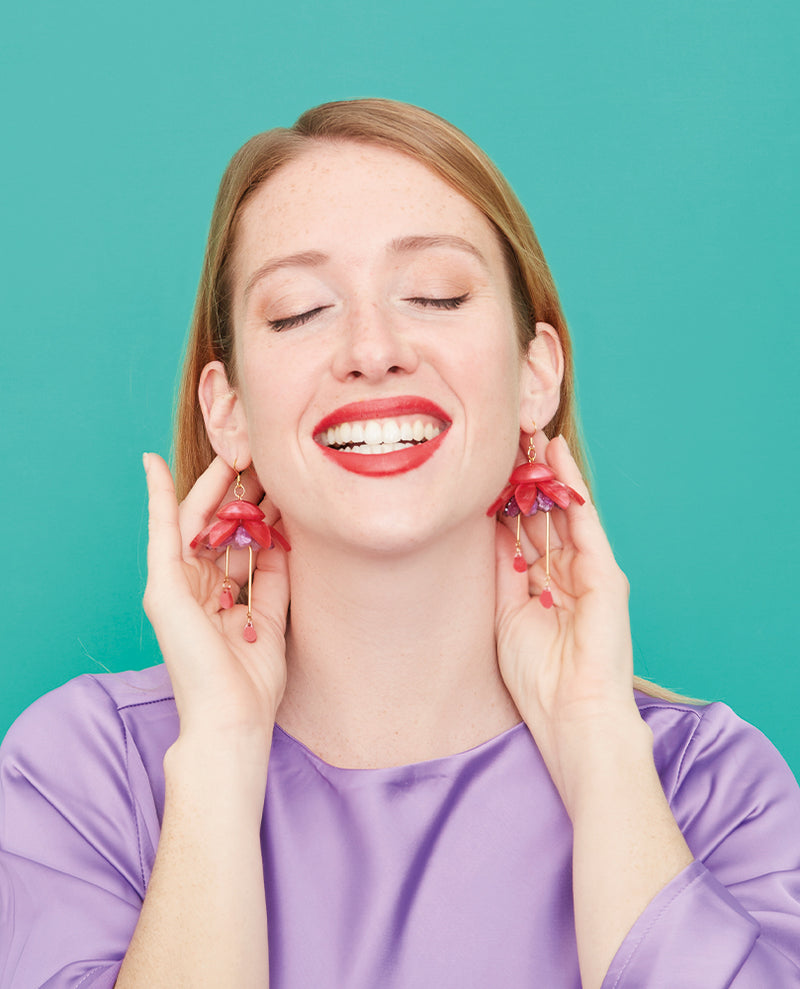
(350,203)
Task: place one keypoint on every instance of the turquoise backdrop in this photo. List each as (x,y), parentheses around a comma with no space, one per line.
(656,148)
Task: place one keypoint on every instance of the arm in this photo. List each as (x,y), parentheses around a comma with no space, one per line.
(204,922)
(74,841)
(570,672)
(733,917)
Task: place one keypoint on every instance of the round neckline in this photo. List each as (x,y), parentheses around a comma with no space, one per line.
(434,766)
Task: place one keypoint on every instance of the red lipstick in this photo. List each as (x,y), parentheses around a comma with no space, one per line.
(384,464)
(382,408)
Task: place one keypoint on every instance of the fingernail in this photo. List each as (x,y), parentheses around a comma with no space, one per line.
(145,461)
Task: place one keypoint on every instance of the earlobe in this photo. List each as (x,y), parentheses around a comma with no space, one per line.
(223,416)
(542,373)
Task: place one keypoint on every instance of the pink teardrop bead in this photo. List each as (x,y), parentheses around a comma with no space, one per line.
(249,632)
(519,564)
(226,599)
(546,598)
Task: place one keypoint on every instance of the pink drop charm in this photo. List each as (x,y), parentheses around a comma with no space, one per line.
(249,632)
(546,598)
(519,563)
(226,598)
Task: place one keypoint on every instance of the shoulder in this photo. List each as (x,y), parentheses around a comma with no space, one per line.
(88,705)
(83,766)
(93,727)
(719,772)
(688,734)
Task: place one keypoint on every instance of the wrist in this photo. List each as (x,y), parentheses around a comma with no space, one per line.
(229,767)
(600,758)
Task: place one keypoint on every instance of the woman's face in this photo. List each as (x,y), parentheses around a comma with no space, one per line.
(372,307)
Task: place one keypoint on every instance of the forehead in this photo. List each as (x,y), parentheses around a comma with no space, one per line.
(352,199)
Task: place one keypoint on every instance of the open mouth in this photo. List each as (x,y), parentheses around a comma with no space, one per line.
(376,436)
(382,436)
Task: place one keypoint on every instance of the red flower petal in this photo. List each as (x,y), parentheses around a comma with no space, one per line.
(279,539)
(221,532)
(259,531)
(215,534)
(240,510)
(527,473)
(504,496)
(560,493)
(202,536)
(525,495)
(265,535)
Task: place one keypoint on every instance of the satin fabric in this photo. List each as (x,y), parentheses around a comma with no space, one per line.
(450,873)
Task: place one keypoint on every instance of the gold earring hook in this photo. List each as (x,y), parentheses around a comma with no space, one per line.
(531,447)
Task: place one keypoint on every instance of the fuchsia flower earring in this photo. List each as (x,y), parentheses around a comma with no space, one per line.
(240,524)
(534,487)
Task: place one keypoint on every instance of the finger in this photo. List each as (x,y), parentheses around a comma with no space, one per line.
(164,547)
(579,524)
(271,587)
(207,494)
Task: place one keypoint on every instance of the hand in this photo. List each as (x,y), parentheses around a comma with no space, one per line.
(222,683)
(569,668)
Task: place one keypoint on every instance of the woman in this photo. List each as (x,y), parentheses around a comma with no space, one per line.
(424,777)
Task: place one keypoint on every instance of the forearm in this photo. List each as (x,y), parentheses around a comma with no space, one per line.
(204,920)
(627,844)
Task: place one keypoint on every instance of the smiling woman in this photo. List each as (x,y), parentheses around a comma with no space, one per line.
(418,775)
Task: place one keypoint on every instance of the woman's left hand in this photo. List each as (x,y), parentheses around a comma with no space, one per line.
(569,668)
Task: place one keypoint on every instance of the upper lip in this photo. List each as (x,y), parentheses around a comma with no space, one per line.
(382,408)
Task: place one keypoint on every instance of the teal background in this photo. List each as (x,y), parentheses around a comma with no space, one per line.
(656,148)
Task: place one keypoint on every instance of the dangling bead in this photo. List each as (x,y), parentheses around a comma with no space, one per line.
(249,631)
(519,560)
(226,598)
(546,598)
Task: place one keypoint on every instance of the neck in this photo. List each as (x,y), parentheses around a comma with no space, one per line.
(392,660)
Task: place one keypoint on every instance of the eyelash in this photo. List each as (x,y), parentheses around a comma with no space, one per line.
(292,322)
(454,303)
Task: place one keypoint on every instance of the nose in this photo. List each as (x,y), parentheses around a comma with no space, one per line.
(373,346)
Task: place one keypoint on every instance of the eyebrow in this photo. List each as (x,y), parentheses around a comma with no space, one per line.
(407,245)
(401,245)
(305,259)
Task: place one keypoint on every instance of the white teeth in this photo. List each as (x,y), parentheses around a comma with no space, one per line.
(380,436)
(373,433)
(391,432)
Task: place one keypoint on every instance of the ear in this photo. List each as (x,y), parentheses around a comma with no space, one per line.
(224,416)
(540,383)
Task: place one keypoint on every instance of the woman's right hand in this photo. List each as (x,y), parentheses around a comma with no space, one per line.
(222,683)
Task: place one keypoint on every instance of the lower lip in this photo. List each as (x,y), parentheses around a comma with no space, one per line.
(384,464)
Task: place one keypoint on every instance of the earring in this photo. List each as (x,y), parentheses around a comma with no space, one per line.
(240,525)
(533,487)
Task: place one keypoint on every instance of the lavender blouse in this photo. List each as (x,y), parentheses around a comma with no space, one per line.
(453,873)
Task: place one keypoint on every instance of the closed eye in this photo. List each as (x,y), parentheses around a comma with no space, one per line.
(452,303)
(290,322)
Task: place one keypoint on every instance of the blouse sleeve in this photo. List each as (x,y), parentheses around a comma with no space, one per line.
(72,861)
(730,920)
